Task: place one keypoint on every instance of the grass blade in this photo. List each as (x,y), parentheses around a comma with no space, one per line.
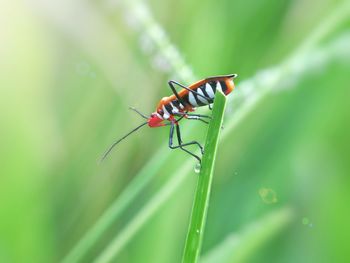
(201,201)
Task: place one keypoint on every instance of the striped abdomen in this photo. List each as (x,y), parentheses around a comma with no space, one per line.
(202,93)
(205,93)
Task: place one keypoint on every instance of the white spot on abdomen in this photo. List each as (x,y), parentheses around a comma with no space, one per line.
(174,109)
(192,100)
(201,98)
(209,91)
(218,86)
(166,114)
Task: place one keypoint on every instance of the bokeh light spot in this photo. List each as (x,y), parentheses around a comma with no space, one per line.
(268,195)
(305,221)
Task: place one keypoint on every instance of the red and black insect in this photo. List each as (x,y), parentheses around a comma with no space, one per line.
(171,110)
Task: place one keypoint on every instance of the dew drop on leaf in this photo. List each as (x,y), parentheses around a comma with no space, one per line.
(197,168)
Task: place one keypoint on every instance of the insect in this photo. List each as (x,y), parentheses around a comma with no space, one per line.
(171,110)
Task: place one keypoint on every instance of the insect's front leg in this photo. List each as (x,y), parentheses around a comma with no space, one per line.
(180,144)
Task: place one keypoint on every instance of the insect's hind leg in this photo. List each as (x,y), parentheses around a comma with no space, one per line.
(181,145)
(188,143)
(184,103)
(171,82)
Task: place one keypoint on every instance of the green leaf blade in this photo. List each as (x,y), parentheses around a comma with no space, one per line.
(201,202)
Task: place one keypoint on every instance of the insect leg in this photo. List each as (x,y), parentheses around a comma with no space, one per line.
(190,116)
(184,114)
(198,115)
(197,118)
(193,116)
(191,90)
(171,135)
(188,143)
(176,94)
(171,146)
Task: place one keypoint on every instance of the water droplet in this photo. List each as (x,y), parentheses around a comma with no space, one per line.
(235,173)
(268,195)
(197,168)
(197,231)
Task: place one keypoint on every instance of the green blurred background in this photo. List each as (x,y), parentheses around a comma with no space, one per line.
(69,70)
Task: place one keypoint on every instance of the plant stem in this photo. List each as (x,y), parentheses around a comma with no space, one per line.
(201,202)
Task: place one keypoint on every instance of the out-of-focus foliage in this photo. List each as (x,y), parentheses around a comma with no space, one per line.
(69,70)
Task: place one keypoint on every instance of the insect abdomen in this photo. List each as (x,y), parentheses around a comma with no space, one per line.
(205,93)
(201,94)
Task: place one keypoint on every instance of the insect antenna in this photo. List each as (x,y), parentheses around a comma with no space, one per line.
(118,141)
(137,111)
